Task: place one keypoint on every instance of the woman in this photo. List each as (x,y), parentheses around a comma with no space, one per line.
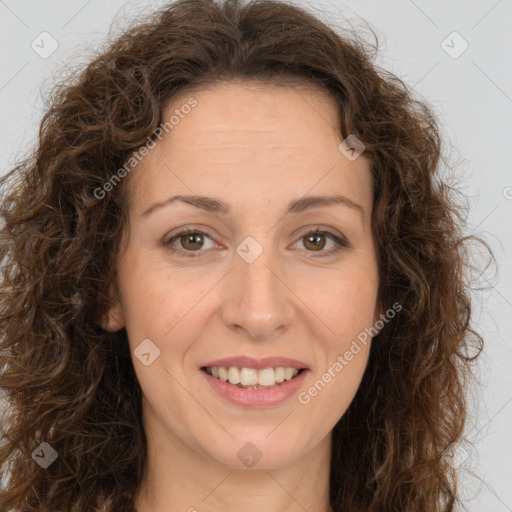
(233,276)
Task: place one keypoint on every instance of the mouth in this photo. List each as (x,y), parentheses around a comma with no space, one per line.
(253,378)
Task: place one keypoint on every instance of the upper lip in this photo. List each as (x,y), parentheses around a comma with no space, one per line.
(250,362)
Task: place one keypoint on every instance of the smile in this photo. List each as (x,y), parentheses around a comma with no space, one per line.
(253,378)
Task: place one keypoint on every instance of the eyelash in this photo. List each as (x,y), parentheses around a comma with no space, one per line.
(341,242)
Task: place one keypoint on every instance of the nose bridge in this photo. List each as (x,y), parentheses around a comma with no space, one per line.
(258,301)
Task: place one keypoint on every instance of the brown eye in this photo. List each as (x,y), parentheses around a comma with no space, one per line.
(189,242)
(192,242)
(316,241)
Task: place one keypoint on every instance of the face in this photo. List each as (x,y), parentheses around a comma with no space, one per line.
(251,285)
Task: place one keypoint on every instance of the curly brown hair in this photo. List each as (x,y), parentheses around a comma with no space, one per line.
(68,382)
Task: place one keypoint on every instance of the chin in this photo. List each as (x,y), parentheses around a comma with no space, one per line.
(256,450)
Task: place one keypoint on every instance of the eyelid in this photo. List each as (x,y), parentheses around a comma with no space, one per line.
(182,232)
(340,241)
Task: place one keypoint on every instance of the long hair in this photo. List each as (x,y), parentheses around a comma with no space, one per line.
(68,383)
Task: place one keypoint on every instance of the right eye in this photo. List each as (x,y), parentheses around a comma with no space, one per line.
(191,241)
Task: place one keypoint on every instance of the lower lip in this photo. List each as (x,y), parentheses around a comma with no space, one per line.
(256,397)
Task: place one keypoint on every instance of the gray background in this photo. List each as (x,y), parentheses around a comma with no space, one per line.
(471,94)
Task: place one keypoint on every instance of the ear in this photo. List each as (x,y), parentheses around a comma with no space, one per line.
(112,319)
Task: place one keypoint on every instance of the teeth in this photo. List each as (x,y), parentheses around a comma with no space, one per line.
(251,377)
(266,377)
(279,374)
(223,373)
(234,375)
(248,377)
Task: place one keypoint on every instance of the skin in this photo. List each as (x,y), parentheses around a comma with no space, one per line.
(255,147)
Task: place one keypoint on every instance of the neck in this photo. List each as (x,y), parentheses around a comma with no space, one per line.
(180,478)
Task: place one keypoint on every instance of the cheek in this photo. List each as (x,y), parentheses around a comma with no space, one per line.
(345,302)
(156,302)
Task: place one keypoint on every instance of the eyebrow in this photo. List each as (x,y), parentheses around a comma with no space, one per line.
(216,206)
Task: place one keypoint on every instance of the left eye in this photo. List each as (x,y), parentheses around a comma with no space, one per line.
(317,241)
(192,241)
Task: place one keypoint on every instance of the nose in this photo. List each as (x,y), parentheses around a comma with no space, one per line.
(259,301)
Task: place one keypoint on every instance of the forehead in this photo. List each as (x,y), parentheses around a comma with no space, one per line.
(292,112)
(252,137)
